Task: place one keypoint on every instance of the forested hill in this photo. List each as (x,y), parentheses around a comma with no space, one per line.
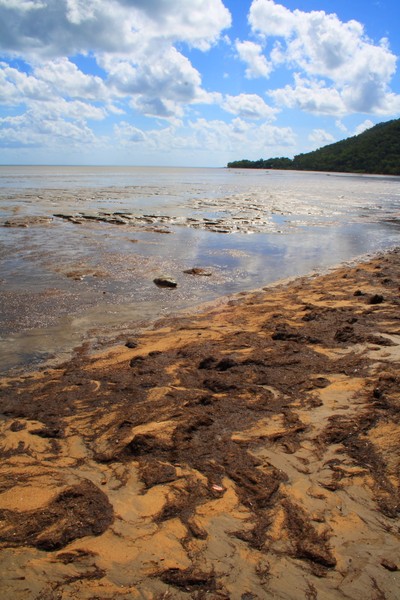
(376,150)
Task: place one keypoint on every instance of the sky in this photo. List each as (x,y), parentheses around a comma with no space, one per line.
(191,82)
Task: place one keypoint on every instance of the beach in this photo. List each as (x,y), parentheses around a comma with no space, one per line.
(199,300)
(246,451)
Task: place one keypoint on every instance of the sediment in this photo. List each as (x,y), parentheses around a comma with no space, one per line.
(251,451)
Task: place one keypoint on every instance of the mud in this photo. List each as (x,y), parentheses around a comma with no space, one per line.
(249,451)
(254,221)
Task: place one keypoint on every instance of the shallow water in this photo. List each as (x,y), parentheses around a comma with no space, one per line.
(63,282)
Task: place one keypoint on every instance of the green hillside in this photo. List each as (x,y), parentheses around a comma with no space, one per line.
(376,150)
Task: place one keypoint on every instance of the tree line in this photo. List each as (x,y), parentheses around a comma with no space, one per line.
(375,151)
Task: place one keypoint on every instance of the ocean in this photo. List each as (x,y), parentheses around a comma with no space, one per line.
(80,247)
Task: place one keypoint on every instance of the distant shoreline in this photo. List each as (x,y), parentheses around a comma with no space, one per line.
(375,151)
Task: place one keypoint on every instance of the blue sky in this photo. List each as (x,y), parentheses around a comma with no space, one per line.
(191,82)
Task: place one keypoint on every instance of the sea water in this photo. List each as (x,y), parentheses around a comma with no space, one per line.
(69,274)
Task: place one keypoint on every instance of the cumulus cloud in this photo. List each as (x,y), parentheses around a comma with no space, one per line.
(240,136)
(320,137)
(211,136)
(367,124)
(65,64)
(133,44)
(128,133)
(22,5)
(324,48)
(46,86)
(17,86)
(36,130)
(270,18)
(63,77)
(76,110)
(249,106)
(311,96)
(340,125)
(158,87)
(251,54)
(65,27)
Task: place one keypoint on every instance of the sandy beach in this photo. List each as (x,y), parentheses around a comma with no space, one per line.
(248,451)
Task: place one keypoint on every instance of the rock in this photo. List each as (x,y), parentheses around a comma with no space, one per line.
(217,386)
(198,271)
(196,530)
(207,363)
(346,334)
(319,382)
(17,426)
(285,333)
(131,343)
(154,472)
(225,364)
(376,299)
(389,565)
(165,282)
(26,221)
(136,360)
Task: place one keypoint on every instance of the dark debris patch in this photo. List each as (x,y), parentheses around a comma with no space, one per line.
(376,299)
(352,434)
(190,580)
(77,511)
(307,543)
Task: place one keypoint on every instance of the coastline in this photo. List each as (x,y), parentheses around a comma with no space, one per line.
(232,453)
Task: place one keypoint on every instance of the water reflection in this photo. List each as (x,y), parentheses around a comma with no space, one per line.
(64,282)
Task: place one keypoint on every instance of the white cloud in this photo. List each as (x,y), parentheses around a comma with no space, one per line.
(320,137)
(47,117)
(131,40)
(275,137)
(159,86)
(390,105)
(64,78)
(212,136)
(367,124)
(340,125)
(128,133)
(44,93)
(56,28)
(22,5)
(157,107)
(60,108)
(35,130)
(242,137)
(251,54)
(249,106)
(68,63)
(271,19)
(325,48)
(198,22)
(310,96)
(17,86)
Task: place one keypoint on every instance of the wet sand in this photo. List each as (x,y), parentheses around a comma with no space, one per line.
(250,451)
